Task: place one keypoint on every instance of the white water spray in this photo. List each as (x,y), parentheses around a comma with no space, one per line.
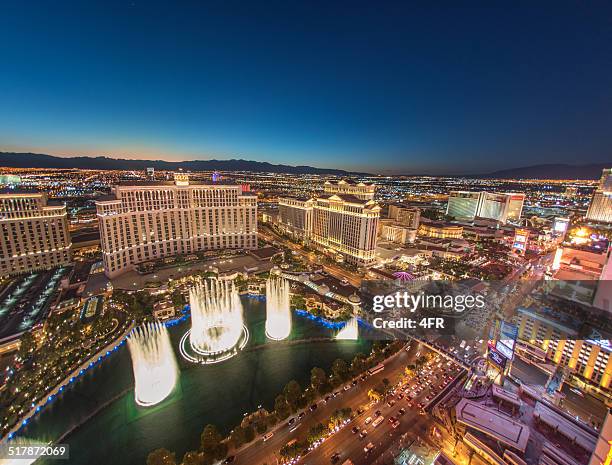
(278,311)
(216,317)
(350,330)
(153,362)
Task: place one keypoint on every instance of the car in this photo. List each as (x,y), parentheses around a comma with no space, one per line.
(363,433)
(364,377)
(401,411)
(377,413)
(360,411)
(327,398)
(301,415)
(313,407)
(354,383)
(354,430)
(395,424)
(392,420)
(368,420)
(335,458)
(400,396)
(367,449)
(291,421)
(391,403)
(267,436)
(229,459)
(577,392)
(347,387)
(336,393)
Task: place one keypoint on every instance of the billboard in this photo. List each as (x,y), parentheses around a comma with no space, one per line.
(508,333)
(497,359)
(560,225)
(520,240)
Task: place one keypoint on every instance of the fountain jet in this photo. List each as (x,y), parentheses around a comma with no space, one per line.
(278,311)
(216,317)
(153,362)
(350,330)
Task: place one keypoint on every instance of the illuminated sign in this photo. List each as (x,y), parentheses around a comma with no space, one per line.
(503,349)
(561,225)
(508,333)
(520,239)
(497,358)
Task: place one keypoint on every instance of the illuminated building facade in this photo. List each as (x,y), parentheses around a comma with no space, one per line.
(148,221)
(602,455)
(295,216)
(502,207)
(440,230)
(33,235)
(360,190)
(600,208)
(343,220)
(544,339)
(463,205)
(406,216)
(398,233)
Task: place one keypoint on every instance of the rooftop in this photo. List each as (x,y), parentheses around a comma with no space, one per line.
(493,423)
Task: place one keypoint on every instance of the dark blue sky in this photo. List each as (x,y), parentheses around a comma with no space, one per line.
(445,87)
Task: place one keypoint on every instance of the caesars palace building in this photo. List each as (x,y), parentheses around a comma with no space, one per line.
(151,220)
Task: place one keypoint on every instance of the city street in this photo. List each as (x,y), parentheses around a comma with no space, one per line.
(346,443)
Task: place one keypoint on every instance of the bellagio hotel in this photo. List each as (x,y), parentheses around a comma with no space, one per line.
(33,235)
(152,220)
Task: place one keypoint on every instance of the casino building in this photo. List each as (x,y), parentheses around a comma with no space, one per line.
(151,220)
(33,235)
(343,220)
(502,207)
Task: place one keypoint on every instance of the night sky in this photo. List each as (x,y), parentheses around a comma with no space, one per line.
(431,86)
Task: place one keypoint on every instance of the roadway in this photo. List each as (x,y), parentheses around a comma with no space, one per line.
(259,452)
(345,442)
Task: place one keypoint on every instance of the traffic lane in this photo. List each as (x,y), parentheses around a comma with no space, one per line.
(587,406)
(528,373)
(351,446)
(262,452)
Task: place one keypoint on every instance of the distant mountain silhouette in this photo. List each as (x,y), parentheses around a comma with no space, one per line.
(37,160)
(550,171)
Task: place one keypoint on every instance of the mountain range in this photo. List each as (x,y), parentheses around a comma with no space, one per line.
(36,160)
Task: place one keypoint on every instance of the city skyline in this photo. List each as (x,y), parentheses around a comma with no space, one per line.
(400,90)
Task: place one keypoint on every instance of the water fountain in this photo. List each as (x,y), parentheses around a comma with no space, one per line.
(153,362)
(278,311)
(350,330)
(217,327)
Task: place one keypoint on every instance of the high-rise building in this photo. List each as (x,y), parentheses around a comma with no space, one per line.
(360,190)
(151,172)
(151,220)
(406,216)
(543,337)
(501,207)
(602,455)
(600,208)
(398,233)
(295,216)
(33,235)
(344,220)
(463,205)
